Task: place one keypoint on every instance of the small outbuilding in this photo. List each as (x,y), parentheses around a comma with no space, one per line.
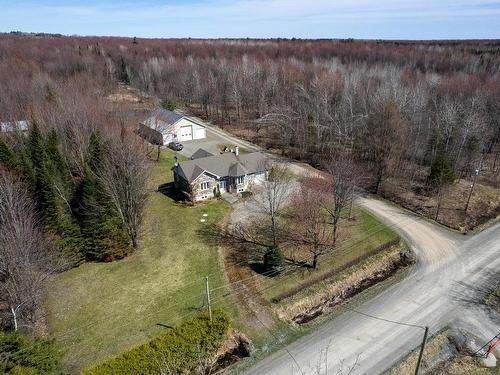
(14,126)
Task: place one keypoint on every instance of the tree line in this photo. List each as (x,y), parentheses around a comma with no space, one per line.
(73,187)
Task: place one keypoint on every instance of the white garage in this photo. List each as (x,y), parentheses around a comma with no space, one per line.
(199,132)
(186,133)
(173,126)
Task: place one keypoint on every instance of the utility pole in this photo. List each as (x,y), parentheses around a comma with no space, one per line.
(207,291)
(422,350)
(476,173)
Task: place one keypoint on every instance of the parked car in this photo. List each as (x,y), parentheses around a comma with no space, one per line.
(176,146)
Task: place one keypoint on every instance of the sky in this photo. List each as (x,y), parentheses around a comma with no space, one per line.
(360,19)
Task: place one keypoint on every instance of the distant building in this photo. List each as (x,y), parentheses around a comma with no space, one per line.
(164,126)
(14,126)
(204,177)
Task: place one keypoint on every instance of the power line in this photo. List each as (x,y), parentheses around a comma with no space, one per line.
(225,296)
(290,268)
(270,273)
(277,339)
(385,319)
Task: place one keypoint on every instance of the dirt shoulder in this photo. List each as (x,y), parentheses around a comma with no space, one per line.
(449,352)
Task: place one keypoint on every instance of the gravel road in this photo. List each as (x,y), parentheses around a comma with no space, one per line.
(443,288)
(446,286)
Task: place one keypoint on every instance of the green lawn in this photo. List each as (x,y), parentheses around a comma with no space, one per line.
(100,309)
(357,237)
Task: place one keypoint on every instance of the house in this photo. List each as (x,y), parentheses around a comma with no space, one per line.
(206,177)
(163,127)
(14,126)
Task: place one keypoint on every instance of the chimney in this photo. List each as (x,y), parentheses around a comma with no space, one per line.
(236,150)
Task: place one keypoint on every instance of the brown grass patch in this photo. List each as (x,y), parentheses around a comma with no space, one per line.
(433,347)
(331,293)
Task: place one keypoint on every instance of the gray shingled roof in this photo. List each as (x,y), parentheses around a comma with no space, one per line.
(227,164)
(166,116)
(201,153)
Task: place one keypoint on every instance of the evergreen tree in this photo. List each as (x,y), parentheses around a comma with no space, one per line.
(42,188)
(53,206)
(58,164)
(104,236)
(124,75)
(7,156)
(274,260)
(441,171)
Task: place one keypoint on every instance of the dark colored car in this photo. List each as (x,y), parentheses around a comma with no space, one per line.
(176,146)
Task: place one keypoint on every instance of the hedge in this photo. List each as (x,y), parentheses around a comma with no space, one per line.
(25,354)
(177,350)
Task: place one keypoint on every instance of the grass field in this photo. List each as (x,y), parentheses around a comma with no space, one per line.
(358,237)
(100,309)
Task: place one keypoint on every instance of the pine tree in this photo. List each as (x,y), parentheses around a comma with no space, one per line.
(54,208)
(441,171)
(42,188)
(7,156)
(274,260)
(59,166)
(105,237)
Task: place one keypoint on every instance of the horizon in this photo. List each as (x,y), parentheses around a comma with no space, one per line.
(426,20)
(270,39)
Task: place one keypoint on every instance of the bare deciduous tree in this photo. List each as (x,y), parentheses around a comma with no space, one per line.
(274,192)
(311,226)
(26,257)
(125,177)
(343,179)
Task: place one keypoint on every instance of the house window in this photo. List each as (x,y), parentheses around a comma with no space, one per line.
(239,180)
(205,185)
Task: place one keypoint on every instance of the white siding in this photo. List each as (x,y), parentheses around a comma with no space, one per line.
(184,127)
(185,133)
(199,132)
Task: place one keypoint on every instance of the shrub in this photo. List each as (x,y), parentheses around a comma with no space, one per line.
(169,105)
(441,171)
(28,355)
(273,260)
(178,351)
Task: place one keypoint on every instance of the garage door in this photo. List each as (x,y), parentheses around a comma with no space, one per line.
(186,133)
(199,133)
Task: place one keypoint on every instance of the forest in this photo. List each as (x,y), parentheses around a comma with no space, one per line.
(415,117)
